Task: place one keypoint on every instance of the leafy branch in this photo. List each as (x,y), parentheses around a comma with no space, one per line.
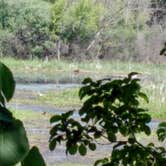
(110,108)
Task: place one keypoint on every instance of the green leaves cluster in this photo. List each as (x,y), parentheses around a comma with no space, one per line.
(110,108)
(14,145)
(76,20)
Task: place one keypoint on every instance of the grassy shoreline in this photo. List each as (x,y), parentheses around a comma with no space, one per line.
(53,71)
(153,79)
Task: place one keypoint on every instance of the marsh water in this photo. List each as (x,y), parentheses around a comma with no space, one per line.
(38,131)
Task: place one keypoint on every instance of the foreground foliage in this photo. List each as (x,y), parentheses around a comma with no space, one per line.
(111,111)
(14,145)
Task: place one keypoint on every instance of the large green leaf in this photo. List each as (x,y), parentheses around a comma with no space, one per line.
(7,83)
(14,145)
(5,115)
(34,158)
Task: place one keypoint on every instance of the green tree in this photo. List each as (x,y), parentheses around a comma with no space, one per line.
(76,20)
(4,14)
(110,108)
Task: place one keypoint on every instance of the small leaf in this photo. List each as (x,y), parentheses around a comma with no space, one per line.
(147,130)
(67,114)
(87,80)
(73,149)
(111,136)
(33,158)
(55,118)
(5,115)
(92,146)
(84,91)
(52,144)
(82,150)
(161,131)
(144,96)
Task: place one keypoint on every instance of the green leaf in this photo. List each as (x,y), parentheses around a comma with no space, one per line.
(14,144)
(55,118)
(73,149)
(7,83)
(52,144)
(144,96)
(147,130)
(87,80)
(5,115)
(34,158)
(82,150)
(92,146)
(111,136)
(161,131)
(84,91)
(67,114)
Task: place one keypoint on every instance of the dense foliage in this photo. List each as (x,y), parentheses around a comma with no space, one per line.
(14,145)
(111,112)
(82,29)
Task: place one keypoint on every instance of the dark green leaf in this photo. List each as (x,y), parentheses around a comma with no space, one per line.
(67,114)
(161,131)
(147,130)
(73,149)
(111,136)
(92,146)
(87,80)
(5,115)
(84,91)
(82,150)
(7,83)
(14,144)
(52,144)
(55,118)
(34,158)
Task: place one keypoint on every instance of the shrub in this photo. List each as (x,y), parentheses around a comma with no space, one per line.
(76,20)
(110,108)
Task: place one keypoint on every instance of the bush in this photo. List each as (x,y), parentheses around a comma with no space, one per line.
(28,28)
(111,112)
(77,20)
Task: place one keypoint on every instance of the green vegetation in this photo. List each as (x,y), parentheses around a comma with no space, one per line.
(111,108)
(152,78)
(81,29)
(37,70)
(14,145)
(63,98)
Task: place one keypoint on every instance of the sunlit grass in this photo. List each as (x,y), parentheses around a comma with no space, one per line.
(52,71)
(153,79)
(63,98)
(30,115)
